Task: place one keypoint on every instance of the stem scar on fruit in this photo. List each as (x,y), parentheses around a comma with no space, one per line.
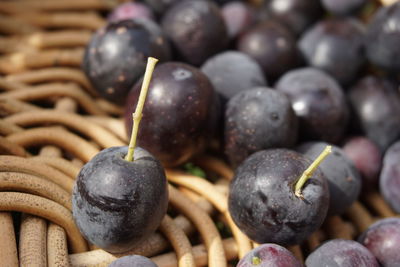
(310,170)
(137,115)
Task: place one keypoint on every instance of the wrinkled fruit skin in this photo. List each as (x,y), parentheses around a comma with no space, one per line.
(262,200)
(133,261)
(271,255)
(341,253)
(180,113)
(117,54)
(117,204)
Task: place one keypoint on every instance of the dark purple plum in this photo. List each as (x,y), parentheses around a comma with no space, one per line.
(319,103)
(180,114)
(273,46)
(389,180)
(335,46)
(238,16)
(196,29)
(160,6)
(116,203)
(376,105)
(341,253)
(133,261)
(383,38)
(116,56)
(232,72)
(298,15)
(263,203)
(344,181)
(258,119)
(343,7)
(367,158)
(131,10)
(269,255)
(383,239)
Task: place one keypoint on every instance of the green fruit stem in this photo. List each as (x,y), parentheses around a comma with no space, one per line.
(310,170)
(137,116)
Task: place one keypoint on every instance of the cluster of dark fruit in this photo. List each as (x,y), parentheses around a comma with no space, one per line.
(332,80)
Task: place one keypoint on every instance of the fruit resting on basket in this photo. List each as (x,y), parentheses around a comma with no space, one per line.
(121,196)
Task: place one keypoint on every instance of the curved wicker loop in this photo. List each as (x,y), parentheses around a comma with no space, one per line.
(57,248)
(8,244)
(50,210)
(32,241)
(10,148)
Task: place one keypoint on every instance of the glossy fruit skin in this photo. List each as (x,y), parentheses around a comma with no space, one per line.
(238,16)
(180,113)
(383,239)
(258,119)
(343,7)
(319,103)
(335,46)
(160,6)
(117,54)
(196,29)
(131,10)
(262,200)
(383,38)
(297,15)
(273,46)
(117,204)
(344,181)
(232,72)
(380,123)
(133,261)
(271,255)
(366,157)
(341,253)
(389,180)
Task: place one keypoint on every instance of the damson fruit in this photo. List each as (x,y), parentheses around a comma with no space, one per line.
(344,181)
(196,29)
(273,46)
(232,72)
(131,10)
(258,119)
(133,261)
(319,103)
(383,38)
(343,7)
(238,16)
(367,158)
(116,56)
(298,15)
(335,46)
(376,105)
(389,181)
(341,253)
(117,203)
(269,255)
(160,6)
(383,239)
(263,203)
(180,114)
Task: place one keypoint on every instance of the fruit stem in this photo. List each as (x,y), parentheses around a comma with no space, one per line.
(255,260)
(137,116)
(310,170)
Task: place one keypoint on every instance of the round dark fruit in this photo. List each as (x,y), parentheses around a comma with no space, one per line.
(343,7)
(383,38)
(131,10)
(160,6)
(335,46)
(238,16)
(180,114)
(116,203)
(367,158)
(273,46)
(341,253)
(344,181)
(232,72)
(298,15)
(116,56)
(389,181)
(319,103)
(262,198)
(269,255)
(196,29)
(258,119)
(133,261)
(383,239)
(376,105)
